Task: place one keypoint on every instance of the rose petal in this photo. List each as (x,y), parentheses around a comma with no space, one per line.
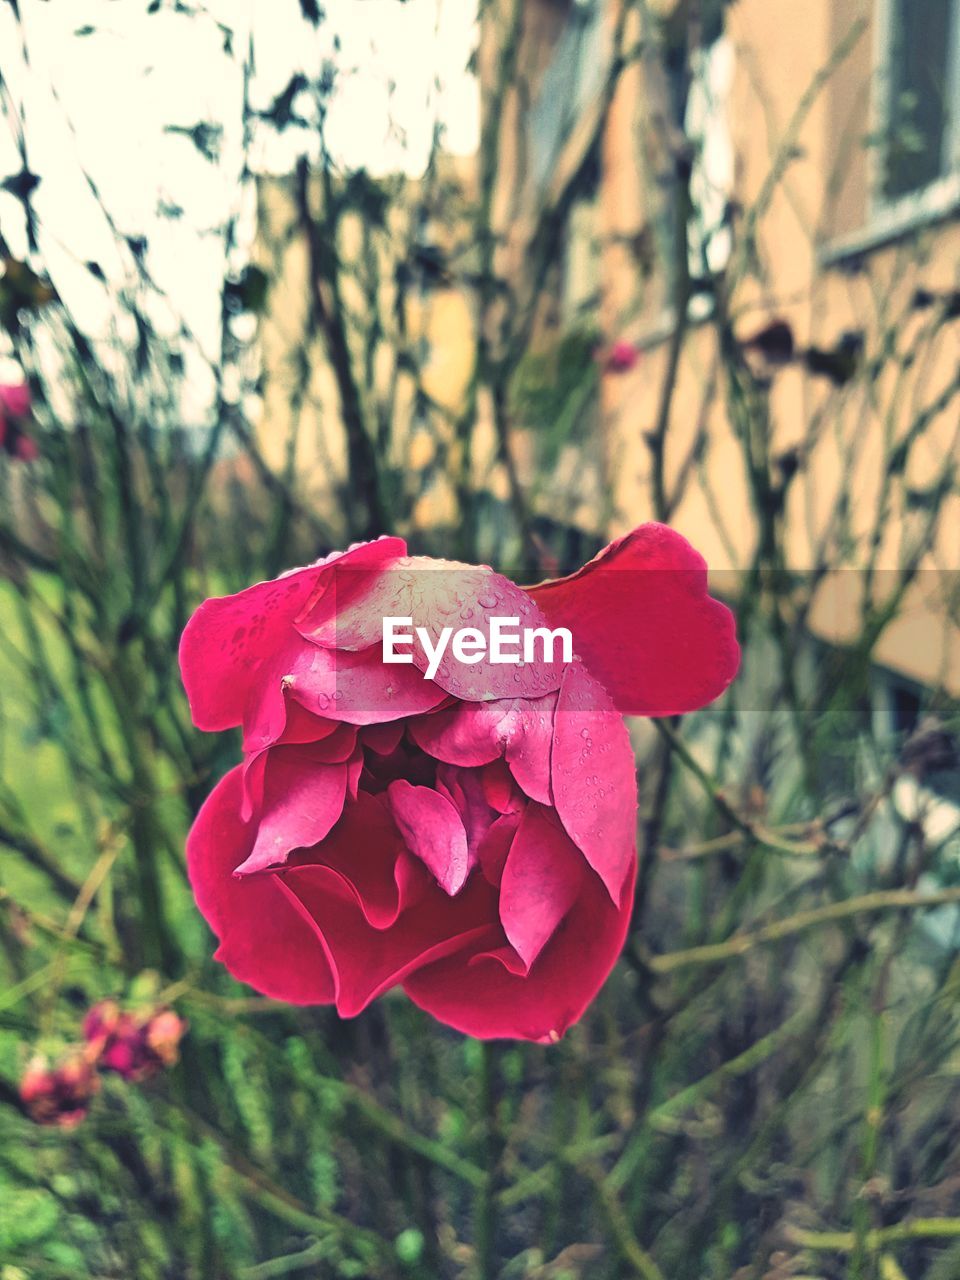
(357,687)
(495,845)
(302,800)
(438,594)
(346,590)
(499,788)
(229,639)
(644,624)
(477,733)
(468,733)
(383,738)
(263,940)
(594,777)
(387,879)
(530,747)
(434,831)
(330,743)
(366,961)
(465,790)
(540,881)
(482,998)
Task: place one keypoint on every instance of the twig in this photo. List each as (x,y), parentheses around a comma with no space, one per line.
(740,944)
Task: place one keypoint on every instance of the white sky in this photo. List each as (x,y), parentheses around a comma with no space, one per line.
(119,86)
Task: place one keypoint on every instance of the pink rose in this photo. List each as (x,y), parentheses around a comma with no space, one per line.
(469,837)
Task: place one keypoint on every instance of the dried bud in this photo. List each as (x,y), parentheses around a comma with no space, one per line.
(59,1095)
(134,1047)
(164,1032)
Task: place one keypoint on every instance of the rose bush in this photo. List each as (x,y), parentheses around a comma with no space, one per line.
(471,837)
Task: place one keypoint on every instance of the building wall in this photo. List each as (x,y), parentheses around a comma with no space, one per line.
(840,439)
(300,431)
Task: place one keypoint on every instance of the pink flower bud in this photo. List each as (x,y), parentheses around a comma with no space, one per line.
(622,356)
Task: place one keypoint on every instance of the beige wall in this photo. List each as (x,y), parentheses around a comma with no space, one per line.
(300,431)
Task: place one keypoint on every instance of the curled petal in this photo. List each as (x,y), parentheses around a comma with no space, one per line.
(529,749)
(357,687)
(263,939)
(302,799)
(436,594)
(468,733)
(495,845)
(540,882)
(230,639)
(499,788)
(594,779)
(387,880)
(434,831)
(477,993)
(477,733)
(366,961)
(644,624)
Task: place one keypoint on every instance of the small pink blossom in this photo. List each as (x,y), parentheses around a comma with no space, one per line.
(621,357)
(15,399)
(14,409)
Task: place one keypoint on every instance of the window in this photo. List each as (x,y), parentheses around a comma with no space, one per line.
(707,126)
(572,81)
(918,104)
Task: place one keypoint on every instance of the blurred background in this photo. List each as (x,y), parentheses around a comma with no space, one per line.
(506,279)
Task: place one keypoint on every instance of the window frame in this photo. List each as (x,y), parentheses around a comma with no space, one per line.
(942,194)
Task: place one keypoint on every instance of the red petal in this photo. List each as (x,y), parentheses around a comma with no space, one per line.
(495,845)
(644,624)
(358,687)
(468,733)
(366,961)
(433,830)
(263,940)
(229,639)
(529,749)
(483,999)
(330,743)
(383,738)
(594,777)
(435,594)
(302,799)
(500,789)
(387,879)
(540,881)
(477,733)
